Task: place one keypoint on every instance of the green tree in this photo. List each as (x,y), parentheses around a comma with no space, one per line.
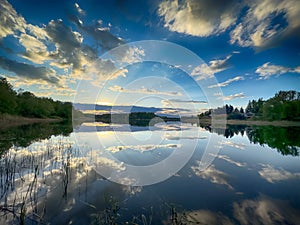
(7,97)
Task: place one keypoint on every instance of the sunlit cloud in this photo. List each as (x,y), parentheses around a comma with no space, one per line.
(268,70)
(150,91)
(258,27)
(10,21)
(204,71)
(227,82)
(272,175)
(197,17)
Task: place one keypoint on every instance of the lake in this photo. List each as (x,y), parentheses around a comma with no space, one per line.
(94,174)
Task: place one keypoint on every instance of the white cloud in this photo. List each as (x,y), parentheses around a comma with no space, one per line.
(150,91)
(234,96)
(198,18)
(267,70)
(141,148)
(225,83)
(79,10)
(265,210)
(204,71)
(228,159)
(260,27)
(10,21)
(214,175)
(273,175)
(233,144)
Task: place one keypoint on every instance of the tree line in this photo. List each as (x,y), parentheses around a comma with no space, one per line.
(285,105)
(25,103)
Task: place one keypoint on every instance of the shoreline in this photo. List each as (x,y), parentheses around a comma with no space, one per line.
(8,121)
(256,123)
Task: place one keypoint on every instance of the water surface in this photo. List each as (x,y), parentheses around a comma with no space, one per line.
(253,179)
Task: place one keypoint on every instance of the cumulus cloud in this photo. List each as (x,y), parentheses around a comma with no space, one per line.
(10,21)
(261,27)
(273,175)
(267,70)
(214,175)
(265,23)
(227,82)
(198,18)
(204,71)
(117,88)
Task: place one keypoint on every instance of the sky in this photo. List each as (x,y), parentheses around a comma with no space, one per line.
(97,51)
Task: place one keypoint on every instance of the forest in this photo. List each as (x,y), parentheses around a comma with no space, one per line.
(285,105)
(26,104)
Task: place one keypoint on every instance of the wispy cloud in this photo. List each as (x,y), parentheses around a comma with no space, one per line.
(29,71)
(185,101)
(204,71)
(265,210)
(227,82)
(267,70)
(233,144)
(273,175)
(141,148)
(228,159)
(150,91)
(257,27)
(214,175)
(233,96)
(79,10)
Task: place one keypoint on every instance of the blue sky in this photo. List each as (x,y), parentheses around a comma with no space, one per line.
(252,48)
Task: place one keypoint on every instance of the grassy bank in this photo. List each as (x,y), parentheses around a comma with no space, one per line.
(7,121)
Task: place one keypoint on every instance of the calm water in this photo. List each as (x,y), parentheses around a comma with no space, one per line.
(48,178)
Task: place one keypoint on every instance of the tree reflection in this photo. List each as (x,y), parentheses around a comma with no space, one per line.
(285,139)
(23,136)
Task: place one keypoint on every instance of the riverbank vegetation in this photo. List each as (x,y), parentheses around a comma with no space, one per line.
(25,104)
(284,106)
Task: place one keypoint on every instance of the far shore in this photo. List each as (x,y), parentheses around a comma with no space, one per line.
(258,123)
(7,121)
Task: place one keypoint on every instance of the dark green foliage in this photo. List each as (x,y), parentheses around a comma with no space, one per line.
(285,139)
(7,97)
(285,105)
(27,104)
(232,113)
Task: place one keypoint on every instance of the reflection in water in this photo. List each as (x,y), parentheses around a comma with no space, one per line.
(26,134)
(285,139)
(49,181)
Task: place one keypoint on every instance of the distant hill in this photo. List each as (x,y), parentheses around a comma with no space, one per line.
(104,109)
